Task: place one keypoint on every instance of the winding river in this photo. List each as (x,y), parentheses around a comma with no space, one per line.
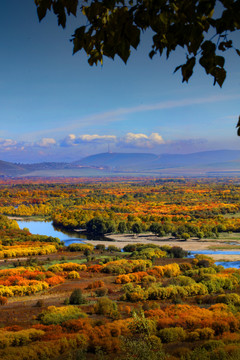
(69,237)
(46,228)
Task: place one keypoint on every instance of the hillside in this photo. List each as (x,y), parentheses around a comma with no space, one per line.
(10,169)
(220,159)
(119,161)
(224,162)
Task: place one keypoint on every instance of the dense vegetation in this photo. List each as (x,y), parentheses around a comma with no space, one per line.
(182,208)
(146,302)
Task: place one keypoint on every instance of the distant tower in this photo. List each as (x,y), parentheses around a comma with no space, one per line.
(109,151)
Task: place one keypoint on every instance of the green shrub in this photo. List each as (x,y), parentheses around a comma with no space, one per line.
(107,307)
(148,253)
(177,252)
(100,247)
(77,298)
(205,333)
(230,299)
(185,267)
(212,345)
(80,247)
(58,315)
(146,280)
(172,334)
(113,248)
(141,325)
(182,281)
(19,338)
(133,293)
(142,348)
(73,275)
(126,266)
(102,291)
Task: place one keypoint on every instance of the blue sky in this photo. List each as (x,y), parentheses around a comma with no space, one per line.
(55,107)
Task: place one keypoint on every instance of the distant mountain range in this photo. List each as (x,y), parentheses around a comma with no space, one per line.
(219,162)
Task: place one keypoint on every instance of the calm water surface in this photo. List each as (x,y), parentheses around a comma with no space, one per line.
(216,252)
(69,237)
(226,264)
(46,228)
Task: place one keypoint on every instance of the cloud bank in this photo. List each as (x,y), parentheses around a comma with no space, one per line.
(46,142)
(73,140)
(74,146)
(129,139)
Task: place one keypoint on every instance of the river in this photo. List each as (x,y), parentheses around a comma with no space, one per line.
(69,237)
(226,264)
(46,228)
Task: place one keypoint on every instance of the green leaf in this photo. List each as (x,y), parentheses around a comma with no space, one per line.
(228,44)
(59,10)
(219,76)
(72,7)
(123,51)
(187,69)
(164,17)
(221,46)
(177,68)
(219,60)
(95,56)
(42,7)
(78,39)
(208,47)
(151,54)
(41,12)
(238,124)
(134,36)
(114,26)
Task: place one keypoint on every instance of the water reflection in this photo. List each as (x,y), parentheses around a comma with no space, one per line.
(216,252)
(229,264)
(226,264)
(46,228)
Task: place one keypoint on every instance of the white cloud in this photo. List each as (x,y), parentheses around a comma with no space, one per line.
(68,140)
(7,142)
(95,137)
(46,142)
(142,140)
(156,138)
(130,139)
(133,140)
(72,140)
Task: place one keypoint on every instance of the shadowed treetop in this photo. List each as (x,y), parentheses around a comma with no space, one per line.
(201,27)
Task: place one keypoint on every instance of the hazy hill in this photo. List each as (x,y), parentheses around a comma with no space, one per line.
(110,164)
(10,169)
(118,161)
(142,161)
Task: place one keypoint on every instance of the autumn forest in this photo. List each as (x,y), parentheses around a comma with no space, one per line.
(102,300)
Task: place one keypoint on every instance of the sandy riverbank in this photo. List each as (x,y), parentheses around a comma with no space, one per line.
(120,240)
(27,218)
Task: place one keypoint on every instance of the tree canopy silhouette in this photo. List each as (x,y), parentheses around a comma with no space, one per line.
(201,27)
